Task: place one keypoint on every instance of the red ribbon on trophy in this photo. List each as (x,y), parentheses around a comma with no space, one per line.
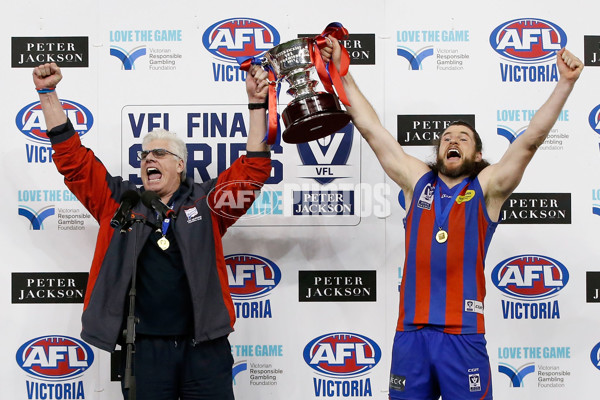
(329,74)
(312,115)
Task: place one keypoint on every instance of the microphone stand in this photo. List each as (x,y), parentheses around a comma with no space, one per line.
(129,332)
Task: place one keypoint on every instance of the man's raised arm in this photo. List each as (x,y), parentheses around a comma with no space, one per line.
(402,168)
(45,78)
(499,180)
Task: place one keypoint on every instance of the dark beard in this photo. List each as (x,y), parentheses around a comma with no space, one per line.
(469,168)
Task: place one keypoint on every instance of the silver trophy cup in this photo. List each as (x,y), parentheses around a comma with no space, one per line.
(311,115)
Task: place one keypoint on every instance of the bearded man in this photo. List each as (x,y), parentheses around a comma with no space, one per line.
(453,208)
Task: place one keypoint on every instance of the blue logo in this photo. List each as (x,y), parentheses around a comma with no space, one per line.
(55,357)
(415,59)
(128,57)
(530,277)
(509,133)
(594,119)
(516,376)
(596,199)
(595,356)
(235,38)
(327,154)
(342,354)
(238,367)
(528,40)
(30,120)
(251,276)
(36,218)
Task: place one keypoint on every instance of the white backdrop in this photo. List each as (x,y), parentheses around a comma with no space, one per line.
(540,327)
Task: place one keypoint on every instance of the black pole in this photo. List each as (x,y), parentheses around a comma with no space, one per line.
(129,333)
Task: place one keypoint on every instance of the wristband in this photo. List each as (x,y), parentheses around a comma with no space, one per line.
(45,90)
(256,106)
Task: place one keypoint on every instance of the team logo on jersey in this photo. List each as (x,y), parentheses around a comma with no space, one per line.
(426,197)
(328,155)
(239,37)
(342,354)
(528,40)
(55,357)
(30,120)
(594,119)
(530,277)
(251,276)
(469,194)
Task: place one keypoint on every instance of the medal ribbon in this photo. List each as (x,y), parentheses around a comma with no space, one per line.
(165,226)
(442,215)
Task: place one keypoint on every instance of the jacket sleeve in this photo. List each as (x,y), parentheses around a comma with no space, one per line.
(84,174)
(237,187)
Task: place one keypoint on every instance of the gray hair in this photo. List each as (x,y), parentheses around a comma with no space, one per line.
(176,145)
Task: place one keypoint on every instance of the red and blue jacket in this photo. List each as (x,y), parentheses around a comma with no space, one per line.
(198,233)
(443,284)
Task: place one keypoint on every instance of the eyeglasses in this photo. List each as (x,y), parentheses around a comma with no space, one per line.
(158,153)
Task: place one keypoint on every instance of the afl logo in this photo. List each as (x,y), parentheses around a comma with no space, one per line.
(594,119)
(342,354)
(251,276)
(530,277)
(55,357)
(595,356)
(528,40)
(30,120)
(239,37)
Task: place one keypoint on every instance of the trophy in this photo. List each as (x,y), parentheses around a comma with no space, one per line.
(311,115)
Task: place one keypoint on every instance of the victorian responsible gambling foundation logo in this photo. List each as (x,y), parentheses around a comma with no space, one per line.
(251,279)
(54,365)
(445,45)
(530,282)
(514,122)
(30,121)
(528,47)
(127,57)
(342,359)
(36,218)
(230,39)
(516,375)
(130,45)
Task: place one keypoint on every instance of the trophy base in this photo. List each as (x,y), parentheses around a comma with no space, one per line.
(313,118)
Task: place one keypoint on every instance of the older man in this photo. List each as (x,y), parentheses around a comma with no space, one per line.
(183,308)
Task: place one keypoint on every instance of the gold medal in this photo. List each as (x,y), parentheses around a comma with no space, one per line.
(163,243)
(441,236)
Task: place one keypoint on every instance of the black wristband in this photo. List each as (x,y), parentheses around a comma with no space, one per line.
(256,106)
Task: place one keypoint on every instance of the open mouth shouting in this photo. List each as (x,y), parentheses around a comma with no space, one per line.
(453,155)
(154,175)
